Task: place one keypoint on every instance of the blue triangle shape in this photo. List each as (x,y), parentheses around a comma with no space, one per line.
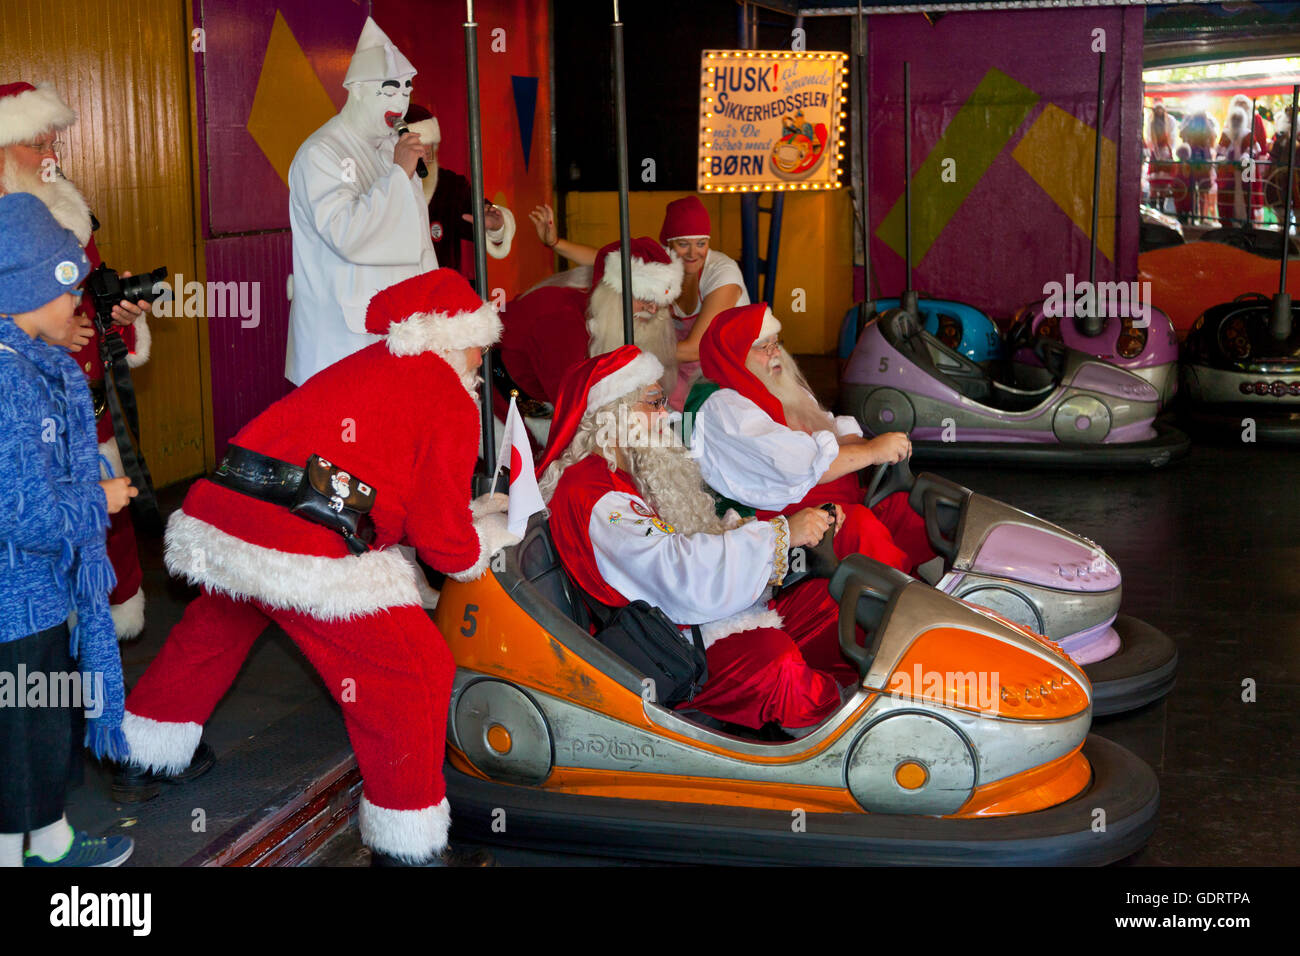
(525,88)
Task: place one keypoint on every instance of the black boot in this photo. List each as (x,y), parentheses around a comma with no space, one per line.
(449,857)
(133,784)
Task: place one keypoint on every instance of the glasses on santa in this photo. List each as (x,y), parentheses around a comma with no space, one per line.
(772,345)
(46,146)
(658,403)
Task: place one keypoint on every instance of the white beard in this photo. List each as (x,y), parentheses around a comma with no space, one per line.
(788,386)
(61,197)
(470,379)
(654,335)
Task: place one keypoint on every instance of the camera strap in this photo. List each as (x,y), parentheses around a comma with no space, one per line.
(125,414)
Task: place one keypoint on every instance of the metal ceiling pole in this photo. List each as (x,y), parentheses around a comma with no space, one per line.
(620,134)
(909,297)
(1280,326)
(1094,321)
(480,227)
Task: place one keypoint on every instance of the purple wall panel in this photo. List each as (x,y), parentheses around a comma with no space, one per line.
(1008,237)
(248,363)
(244,193)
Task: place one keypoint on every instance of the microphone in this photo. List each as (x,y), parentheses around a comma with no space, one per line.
(399,126)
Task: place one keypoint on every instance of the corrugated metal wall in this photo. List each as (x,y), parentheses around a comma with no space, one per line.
(125,68)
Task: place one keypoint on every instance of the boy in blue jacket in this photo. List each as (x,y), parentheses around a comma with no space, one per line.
(55,576)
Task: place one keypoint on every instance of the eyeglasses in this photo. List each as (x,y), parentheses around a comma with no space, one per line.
(658,404)
(48,146)
(772,346)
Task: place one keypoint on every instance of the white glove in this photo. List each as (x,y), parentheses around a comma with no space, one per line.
(493,535)
(489,504)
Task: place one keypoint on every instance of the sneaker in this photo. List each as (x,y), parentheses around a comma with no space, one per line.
(135,785)
(88,851)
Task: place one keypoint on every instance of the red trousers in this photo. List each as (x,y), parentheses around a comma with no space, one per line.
(787,675)
(891,532)
(125,557)
(390,672)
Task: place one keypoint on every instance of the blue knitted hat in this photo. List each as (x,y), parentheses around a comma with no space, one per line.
(39,259)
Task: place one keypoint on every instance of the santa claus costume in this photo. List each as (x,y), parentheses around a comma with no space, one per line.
(360,223)
(768,661)
(448,195)
(552,328)
(1236,208)
(400,416)
(750,456)
(1166,185)
(26,113)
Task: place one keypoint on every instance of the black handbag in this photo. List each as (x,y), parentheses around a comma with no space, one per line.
(643,636)
(340,501)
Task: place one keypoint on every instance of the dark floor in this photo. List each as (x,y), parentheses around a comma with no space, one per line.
(1209,549)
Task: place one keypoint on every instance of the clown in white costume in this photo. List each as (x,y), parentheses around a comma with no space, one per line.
(360,223)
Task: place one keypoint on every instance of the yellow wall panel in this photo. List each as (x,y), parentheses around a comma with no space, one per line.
(125,68)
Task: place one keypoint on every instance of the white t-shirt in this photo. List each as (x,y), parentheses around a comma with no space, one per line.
(719,270)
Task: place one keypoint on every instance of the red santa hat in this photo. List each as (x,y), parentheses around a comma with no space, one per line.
(725,347)
(656,276)
(27,111)
(421,120)
(685,218)
(592,384)
(436,311)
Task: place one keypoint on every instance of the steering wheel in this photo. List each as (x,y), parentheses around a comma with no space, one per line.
(819,560)
(1052,354)
(864,587)
(900,478)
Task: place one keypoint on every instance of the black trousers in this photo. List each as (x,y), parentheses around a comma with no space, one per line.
(41,746)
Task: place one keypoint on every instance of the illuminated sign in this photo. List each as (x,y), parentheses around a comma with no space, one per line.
(771,120)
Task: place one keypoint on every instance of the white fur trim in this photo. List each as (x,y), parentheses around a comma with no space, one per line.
(110,452)
(658,282)
(643,370)
(413,835)
(160,745)
(329,589)
(493,535)
(771,326)
(143,343)
(128,617)
(26,115)
(499,247)
(440,332)
(490,504)
(428,130)
(752,619)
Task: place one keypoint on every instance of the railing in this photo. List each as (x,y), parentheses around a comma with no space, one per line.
(1216,192)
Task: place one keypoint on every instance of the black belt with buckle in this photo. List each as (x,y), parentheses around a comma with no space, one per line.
(258,476)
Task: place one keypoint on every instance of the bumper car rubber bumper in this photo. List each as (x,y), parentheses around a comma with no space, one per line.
(1142,670)
(693,833)
(1169,444)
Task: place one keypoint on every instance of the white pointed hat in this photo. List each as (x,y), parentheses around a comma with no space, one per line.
(376,58)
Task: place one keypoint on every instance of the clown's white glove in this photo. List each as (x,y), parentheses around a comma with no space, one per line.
(492,503)
(493,535)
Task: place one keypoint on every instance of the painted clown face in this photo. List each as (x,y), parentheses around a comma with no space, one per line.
(374,104)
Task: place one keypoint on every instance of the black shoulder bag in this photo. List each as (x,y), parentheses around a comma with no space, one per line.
(643,636)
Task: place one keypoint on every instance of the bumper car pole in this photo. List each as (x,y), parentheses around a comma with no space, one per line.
(480,230)
(1093,323)
(620,135)
(909,300)
(1280,326)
